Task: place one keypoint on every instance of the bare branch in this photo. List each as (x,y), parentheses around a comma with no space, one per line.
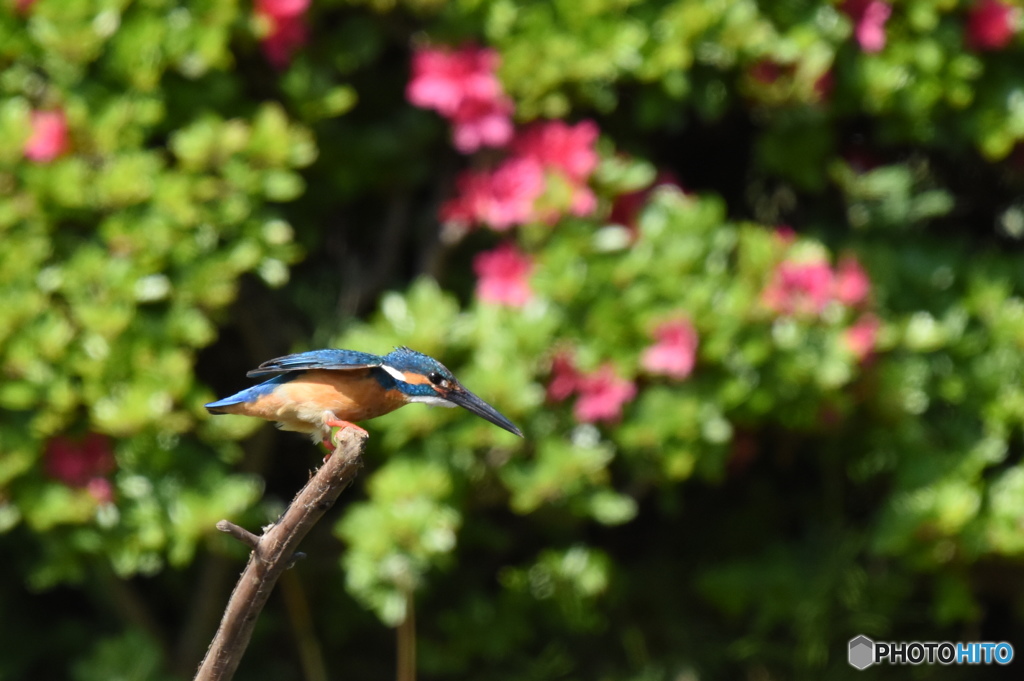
(273,552)
(240,533)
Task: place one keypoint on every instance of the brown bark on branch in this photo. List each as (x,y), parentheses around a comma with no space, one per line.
(273,552)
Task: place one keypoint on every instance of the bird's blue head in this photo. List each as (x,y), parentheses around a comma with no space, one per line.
(422,378)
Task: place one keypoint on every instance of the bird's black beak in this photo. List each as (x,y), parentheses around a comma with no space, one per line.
(467,400)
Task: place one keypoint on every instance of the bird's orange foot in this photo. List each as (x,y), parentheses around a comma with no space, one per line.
(338,423)
(337,426)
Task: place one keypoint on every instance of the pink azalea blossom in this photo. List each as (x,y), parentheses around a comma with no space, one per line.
(462,86)
(288,31)
(504,276)
(583,201)
(851,282)
(101,490)
(282,8)
(566,152)
(82,463)
(991,25)
(49,138)
(602,395)
(869,18)
(482,123)
(560,146)
(799,288)
(284,40)
(443,79)
(860,338)
(675,351)
(500,198)
(565,377)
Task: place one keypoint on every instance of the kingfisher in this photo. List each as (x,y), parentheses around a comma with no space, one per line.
(312,392)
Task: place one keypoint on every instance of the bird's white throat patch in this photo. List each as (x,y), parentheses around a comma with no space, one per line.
(432,399)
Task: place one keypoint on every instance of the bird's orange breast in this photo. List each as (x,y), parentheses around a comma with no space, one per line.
(301,403)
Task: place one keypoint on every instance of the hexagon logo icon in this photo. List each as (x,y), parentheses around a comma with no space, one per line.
(862,652)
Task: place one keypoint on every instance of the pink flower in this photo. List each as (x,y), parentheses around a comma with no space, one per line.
(675,352)
(482,123)
(602,394)
(443,79)
(851,282)
(23,6)
(282,8)
(991,25)
(560,146)
(799,288)
(869,17)
(101,490)
(49,137)
(565,378)
(82,463)
(861,337)
(582,202)
(504,276)
(567,153)
(287,29)
(462,86)
(805,288)
(500,198)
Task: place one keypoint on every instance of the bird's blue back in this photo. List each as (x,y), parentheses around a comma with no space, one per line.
(317,359)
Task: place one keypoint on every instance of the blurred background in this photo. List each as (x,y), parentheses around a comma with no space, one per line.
(747,274)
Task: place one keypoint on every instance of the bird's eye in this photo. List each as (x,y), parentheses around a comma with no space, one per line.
(436,378)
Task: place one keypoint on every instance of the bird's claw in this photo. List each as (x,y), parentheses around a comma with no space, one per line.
(328,447)
(331,442)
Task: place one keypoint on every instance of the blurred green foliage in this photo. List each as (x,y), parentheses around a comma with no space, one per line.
(209,212)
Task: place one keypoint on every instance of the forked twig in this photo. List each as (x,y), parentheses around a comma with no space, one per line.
(273,552)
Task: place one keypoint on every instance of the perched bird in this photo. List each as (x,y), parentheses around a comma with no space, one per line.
(312,392)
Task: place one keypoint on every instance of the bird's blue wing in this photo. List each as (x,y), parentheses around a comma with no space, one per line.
(335,360)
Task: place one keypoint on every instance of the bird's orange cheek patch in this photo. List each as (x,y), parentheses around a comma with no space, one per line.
(416,379)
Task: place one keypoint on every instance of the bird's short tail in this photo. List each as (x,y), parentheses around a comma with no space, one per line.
(248,395)
(218,406)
